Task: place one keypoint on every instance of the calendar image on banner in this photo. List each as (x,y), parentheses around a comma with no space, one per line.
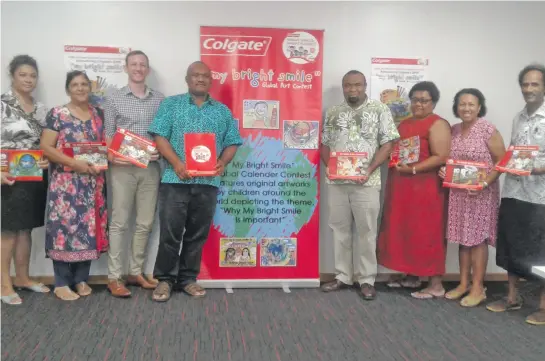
(238,252)
(278,252)
(104,65)
(393,78)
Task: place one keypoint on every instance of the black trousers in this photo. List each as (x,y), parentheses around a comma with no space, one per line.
(183,206)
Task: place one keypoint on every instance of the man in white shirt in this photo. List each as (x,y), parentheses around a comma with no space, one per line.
(521,226)
(132,108)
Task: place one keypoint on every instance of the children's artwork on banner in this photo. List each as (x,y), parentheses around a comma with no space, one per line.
(261,114)
(393,78)
(104,65)
(271,80)
(278,252)
(238,252)
(301,134)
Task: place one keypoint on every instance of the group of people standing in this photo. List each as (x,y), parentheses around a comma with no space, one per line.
(420,216)
(71,198)
(410,236)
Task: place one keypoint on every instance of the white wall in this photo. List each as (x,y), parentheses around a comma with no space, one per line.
(470,44)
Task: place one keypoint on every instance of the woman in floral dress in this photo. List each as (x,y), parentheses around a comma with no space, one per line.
(76,228)
(473,216)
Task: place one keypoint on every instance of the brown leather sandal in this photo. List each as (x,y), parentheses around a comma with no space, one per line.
(162,292)
(194,290)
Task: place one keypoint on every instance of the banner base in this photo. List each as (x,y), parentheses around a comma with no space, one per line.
(272,283)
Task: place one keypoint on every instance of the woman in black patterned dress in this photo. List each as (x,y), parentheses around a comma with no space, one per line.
(23,203)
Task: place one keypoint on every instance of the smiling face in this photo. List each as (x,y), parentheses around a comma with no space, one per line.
(261,109)
(421,104)
(468,108)
(137,68)
(79,89)
(24,79)
(533,87)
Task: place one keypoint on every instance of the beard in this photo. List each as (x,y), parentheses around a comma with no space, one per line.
(352,100)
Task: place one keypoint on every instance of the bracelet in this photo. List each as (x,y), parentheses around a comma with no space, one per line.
(485,185)
(414,170)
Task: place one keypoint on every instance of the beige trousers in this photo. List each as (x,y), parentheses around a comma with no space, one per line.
(355,257)
(133,190)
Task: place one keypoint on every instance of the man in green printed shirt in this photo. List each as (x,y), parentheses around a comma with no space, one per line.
(358,125)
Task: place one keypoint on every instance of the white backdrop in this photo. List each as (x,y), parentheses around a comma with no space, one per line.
(469,44)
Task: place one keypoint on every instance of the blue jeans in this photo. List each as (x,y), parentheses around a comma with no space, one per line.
(70,274)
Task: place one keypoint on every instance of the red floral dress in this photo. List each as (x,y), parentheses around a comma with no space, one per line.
(76,226)
(472,219)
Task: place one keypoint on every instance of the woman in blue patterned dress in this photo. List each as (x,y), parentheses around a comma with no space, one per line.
(76,228)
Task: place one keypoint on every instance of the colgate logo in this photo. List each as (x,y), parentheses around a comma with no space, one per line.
(380,61)
(226,45)
(74,48)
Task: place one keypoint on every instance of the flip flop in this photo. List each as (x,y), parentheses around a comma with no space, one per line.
(504,305)
(12,299)
(469,301)
(456,294)
(537,318)
(427,295)
(35,287)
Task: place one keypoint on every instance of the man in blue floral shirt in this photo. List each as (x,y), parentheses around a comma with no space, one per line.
(187,202)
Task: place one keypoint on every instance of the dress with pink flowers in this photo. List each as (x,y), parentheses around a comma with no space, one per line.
(472,218)
(76,225)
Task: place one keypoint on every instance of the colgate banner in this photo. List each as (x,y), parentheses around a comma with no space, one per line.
(265,231)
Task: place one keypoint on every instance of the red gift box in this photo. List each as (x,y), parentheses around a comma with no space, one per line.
(464,174)
(132,147)
(200,154)
(348,165)
(21,164)
(519,159)
(95,153)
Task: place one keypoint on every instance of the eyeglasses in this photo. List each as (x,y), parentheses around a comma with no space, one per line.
(420,100)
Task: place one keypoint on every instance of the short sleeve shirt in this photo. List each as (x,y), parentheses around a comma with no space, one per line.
(179,115)
(21,130)
(363,129)
(125,110)
(528,130)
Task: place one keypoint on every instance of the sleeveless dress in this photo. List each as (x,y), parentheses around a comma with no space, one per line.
(76,226)
(472,219)
(412,235)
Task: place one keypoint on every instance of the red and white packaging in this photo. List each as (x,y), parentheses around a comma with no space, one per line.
(95,153)
(464,174)
(200,154)
(132,147)
(519,160)
(348,165)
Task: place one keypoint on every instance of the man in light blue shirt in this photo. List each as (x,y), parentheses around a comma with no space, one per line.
(187,202)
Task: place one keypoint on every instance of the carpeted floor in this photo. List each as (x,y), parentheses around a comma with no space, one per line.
(263,325)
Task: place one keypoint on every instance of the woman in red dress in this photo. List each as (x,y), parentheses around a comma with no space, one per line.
(412,235)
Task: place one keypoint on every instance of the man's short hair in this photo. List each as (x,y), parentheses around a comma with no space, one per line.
(136,52)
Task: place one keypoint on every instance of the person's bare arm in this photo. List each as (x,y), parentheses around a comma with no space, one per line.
(228,154)
(440,139)
(165,149)
(48,143)
(496,147)
(325,154)
(381,156)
